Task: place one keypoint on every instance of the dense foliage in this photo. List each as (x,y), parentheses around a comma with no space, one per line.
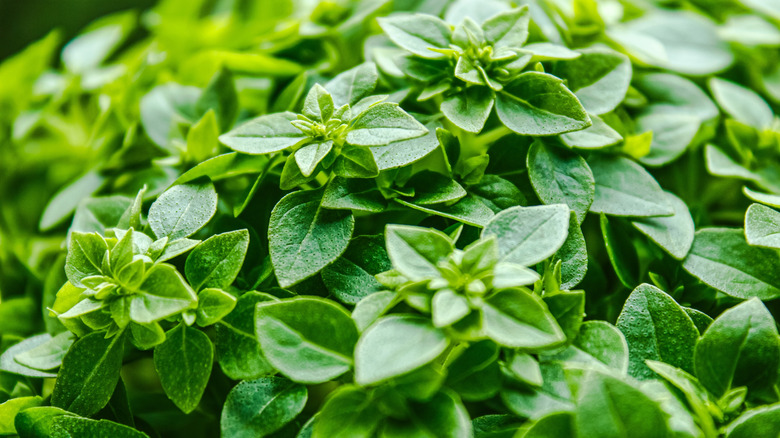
(469,218)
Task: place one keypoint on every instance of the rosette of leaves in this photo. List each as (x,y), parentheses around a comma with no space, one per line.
(472,292)
(471,68)
(335,131)
(120,280)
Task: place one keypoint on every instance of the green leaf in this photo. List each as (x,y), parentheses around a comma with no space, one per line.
(740,348)
(508,29)
(721,258)
(264,135)
(568,309)
(603,342)
(764,198)
(624,188)
(310,340)
(573,255)
(202,138)
(62,204)
(166,106)
(401,153)
(213,305)
(761,422)
(348,411)
(596,136)
(163,293)
(741,103)
(599,77)
(217,260)
(469,210)
(621,251)
(183,210)
(528,235)
(475,374)
(48,355)
(469,109)
(561,177)
(762,226)
(221,97)
(415,251)
(89,373)
(417,33)
(444,413)
(608,407)
(11,408)
(496,193)
(674,234)
(353,194)
(382,124)
(354,84)
(98,214)
(434,188)
(238,350)
(552,425)
(54,422)
(183,363)
(261,407)
(351,277)
(356,162)
(516,318)
(671,135)
(680,41)
(86,254)
(383,351)
(304,237)
(656,328)
(308,157)
(9,364)
(539,104)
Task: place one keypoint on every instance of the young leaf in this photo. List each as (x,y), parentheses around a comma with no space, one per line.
(163,293)
(304,237)
(261,407)
(85,256)
(217,261)
(183,363)
(183,210)
(89,373)
(310,340)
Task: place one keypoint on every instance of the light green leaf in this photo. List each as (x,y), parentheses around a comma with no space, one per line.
(9,410)
(518,319)
(528,235)
(598,135)
(418,33)
(163,293)
(761,422)
(354,84)
(382,124)
(213,305)
(508,29)
(348,411)
(469,110)
(415,251)
(599,77)
(762,226)
(741,103)
(48,355)
(383,351)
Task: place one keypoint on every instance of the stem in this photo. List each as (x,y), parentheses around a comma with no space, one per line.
(492,136)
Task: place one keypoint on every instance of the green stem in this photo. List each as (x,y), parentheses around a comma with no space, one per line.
(492,136)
